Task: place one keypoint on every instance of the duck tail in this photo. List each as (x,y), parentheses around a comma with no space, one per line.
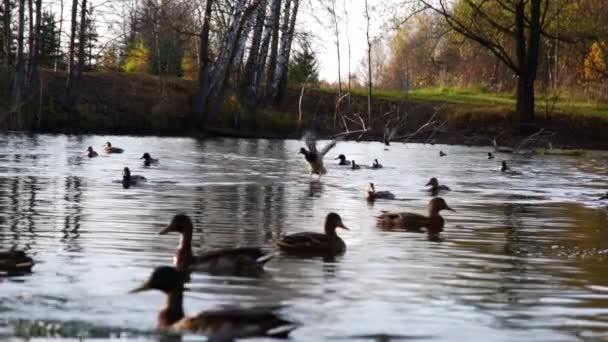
(264,258)
(282,331)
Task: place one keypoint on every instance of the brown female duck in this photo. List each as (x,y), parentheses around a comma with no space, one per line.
(229,261)
(410,221)
(108,148)
(373,195)
(435,187)
(316,244)
(221,324)
(313,156)
(15,262)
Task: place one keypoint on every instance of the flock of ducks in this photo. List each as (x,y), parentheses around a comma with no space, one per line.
(237,322)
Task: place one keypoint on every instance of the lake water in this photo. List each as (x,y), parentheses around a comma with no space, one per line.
(523,258)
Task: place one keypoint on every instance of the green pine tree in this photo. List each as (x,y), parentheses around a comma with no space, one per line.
(304,68)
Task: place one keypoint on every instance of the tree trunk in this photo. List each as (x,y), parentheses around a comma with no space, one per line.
(249,84)
(19,63)
(70,65)
(6,47)
(200,101)
(369,68)
(337,33)
(30,40)
(275,16)
(525,99)
(82,38)
(33,79)
(279,85)
(57,53)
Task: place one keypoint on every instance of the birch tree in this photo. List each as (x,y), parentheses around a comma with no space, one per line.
(279,83)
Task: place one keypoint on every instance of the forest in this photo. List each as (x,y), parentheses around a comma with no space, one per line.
(171,65)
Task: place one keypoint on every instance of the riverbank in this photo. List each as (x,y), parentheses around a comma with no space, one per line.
(118,103)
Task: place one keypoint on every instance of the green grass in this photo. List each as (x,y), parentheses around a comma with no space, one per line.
(475,97)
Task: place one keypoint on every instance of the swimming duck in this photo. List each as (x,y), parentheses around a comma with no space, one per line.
(343,160)
(605,197)
(15,262)
(506,169)
(354,165)
(128,179)
(435,187)
(91,153)
(220,324)
(328,244)
(315,157)
(148,159)
(376,165)
(107,148)
(229,261)
(490,155)
(442,154)
(410,221)
(372,194)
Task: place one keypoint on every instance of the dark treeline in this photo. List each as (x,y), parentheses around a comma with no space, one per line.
(239,48)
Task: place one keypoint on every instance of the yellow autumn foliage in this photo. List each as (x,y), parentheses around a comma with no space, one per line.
(595,64)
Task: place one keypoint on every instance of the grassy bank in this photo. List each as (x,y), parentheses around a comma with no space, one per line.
(121,103)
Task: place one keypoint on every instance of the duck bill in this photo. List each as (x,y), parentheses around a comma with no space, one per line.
(450,209)
(168,229)
(341,225)
(427,184)
(144,287)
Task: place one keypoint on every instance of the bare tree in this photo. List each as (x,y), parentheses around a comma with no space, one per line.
(279,84)
(332,12)
(19,61)
(369,65)
(7,34)
(71,46)
(275,15)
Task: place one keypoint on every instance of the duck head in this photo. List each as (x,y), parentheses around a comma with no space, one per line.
(342,158)
(303,151)
(90,149)
(333,221)
(163,278)
(433,182)
(504,166)
(146,156)
(179,224)
(126,174)
(490,155)
(371,188)
(108,144)
(438,204)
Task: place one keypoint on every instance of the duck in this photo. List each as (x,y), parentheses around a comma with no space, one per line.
(15,262)
(240,261)
(435,187)
(410,221)
(376,165)
(225,324)
(148,159)
(107,148)
(313,156)
(490,155)
(128,179)
(354,165)
(604,197)
(91,153)
(372,194)
(442,154)
(327,244)
(506,169)
(343,160)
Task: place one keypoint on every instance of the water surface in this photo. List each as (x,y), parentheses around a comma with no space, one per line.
(524,257)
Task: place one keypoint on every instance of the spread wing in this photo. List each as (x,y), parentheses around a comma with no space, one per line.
(327,148)
(311,141)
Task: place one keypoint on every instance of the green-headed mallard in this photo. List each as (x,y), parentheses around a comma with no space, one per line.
(343,160)
(220,324)
(108,148)
(228,261)
(372,194)
(15,262)
(91,153)
(435,187)
(315,157)
(410,221)
(376,164)
(326,244)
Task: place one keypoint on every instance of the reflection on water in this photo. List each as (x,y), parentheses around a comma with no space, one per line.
(523,258)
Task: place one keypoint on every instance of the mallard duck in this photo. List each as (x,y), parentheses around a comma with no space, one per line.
(107,148)
(372,194)
(227,323)
(316,244)
(354,165)
(315,157)
(490,155)
(343,160)
(15,262)
(376,165)
(442,154)
(604,197)
(91,153)
(435,187)
(506,169)
(410,221)
(128,179)
(229,261)
(148,159)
